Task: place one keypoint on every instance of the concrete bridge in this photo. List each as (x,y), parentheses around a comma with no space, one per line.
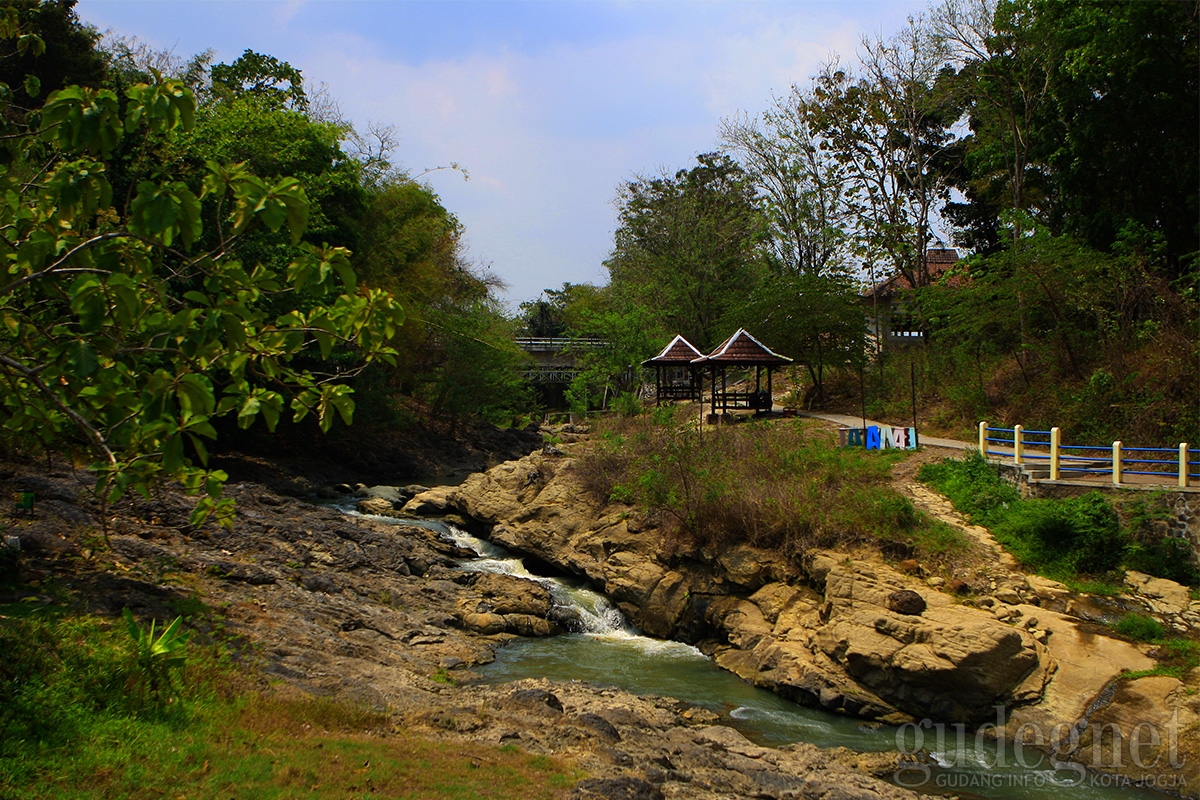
(554,359)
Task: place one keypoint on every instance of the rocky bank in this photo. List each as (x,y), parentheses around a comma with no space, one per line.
(379,613)
(857,636)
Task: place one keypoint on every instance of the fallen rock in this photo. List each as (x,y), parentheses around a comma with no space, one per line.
(906,601)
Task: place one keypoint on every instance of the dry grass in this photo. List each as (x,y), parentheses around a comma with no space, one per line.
(781,485)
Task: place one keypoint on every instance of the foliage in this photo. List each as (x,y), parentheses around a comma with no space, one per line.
(890,130)
(159,658)
(477,368)
(1078,535)
(629,335)
(687,246)
(271,82)
(69,729)
(1140,627)
(803,186)
(782,486)
(120,336)
(44,48)
(1061,539)
(813,319)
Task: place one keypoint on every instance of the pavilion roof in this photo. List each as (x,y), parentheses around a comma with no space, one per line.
(679,351)
(743,349)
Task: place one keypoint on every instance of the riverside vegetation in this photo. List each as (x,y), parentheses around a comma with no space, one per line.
(782,486)
(80,716)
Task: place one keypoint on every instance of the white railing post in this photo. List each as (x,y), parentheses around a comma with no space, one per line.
(983,430)
(1117,461)
(1054,439)
(1018,445)
(1184,467)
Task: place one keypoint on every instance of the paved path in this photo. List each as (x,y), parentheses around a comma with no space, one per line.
(1167,480)
(857,422)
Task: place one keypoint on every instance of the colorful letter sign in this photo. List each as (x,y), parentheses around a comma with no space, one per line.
(875,437)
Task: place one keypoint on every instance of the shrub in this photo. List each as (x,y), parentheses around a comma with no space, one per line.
(1140,627)
(778,485)
(1069,538)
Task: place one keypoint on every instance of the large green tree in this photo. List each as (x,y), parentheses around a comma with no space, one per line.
(122,336)
(688,245)
(804,186)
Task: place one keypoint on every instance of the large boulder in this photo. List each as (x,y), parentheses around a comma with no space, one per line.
(506,604)
(948,662)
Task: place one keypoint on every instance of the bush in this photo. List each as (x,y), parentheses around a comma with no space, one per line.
(1063,539)
(972,484)
(780,486)
(1140,627)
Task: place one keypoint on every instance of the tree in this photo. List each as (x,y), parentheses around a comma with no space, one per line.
(263,78)
(1004,74)
(890,128)
(688,245)
(121,337)
(43,47)
(815,319)
(802,184)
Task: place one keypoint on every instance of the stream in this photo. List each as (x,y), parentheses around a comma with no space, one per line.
(608,651)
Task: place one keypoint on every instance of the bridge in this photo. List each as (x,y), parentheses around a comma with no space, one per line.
(554,359)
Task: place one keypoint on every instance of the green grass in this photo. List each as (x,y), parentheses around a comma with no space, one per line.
(1081,541)
(70,728)
(1140,627)
(782,485)
(1176,657)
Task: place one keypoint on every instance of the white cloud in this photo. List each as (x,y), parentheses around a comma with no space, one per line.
(549,123)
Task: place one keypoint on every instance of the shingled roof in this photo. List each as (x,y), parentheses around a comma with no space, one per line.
(937,261)
(679,351)
(744,349)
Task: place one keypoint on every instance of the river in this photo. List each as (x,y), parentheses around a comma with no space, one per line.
(608,651)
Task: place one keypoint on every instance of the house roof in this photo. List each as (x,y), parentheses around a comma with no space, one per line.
(937,261)
(743,349)
(679,351)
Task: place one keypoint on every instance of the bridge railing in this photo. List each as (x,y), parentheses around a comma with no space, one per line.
(555,344)
(1046,447)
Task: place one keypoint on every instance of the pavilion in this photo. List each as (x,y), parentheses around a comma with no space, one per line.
(741,351)
(675,376)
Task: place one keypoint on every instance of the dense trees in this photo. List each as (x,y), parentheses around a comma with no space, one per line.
(1053,142)
(174,242)
(686,244)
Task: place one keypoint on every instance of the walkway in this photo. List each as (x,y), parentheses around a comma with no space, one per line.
(1166,481)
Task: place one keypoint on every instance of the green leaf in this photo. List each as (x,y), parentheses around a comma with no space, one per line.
(195,394)
(33,85)
(81,359)
(172,453)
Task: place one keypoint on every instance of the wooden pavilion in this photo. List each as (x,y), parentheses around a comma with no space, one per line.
(675,376)
(741,351)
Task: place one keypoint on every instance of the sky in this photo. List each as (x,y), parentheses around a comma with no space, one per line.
(547,106)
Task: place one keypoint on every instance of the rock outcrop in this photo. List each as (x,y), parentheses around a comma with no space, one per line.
(378,612)
(849,636)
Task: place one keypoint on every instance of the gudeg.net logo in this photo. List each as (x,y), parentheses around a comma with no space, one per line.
(1031,756)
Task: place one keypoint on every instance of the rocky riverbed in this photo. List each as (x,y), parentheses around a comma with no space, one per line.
(333,604)
(380,613)
(858,636)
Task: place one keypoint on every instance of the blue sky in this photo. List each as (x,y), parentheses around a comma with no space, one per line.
(549,106)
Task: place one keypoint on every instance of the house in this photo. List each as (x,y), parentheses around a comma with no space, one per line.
(889,322)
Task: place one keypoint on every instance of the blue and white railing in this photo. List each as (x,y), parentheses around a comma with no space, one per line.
(1036,448)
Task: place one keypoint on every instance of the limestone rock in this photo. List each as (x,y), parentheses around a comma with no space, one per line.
(775,598)
(951,663)
(433,501)
(379,506)
(1166,596)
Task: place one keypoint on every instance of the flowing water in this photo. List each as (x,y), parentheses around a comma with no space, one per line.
(608,651)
